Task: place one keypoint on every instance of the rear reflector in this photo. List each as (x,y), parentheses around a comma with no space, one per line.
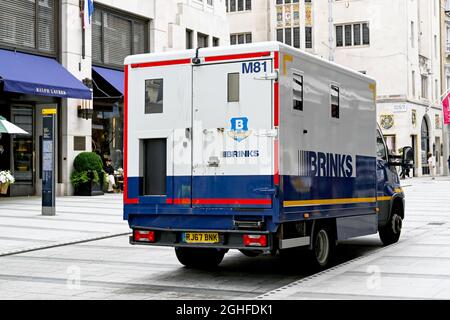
(144,235)
(253,240)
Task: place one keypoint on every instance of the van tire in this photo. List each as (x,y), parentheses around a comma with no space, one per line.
(390,233)
(199,258)
(323,247)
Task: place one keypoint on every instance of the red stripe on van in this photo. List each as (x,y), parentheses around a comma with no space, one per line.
(126,200)
(233,201)
(160,63)
(237,56)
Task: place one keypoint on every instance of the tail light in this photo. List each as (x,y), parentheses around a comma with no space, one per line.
(255,240)
(144,235)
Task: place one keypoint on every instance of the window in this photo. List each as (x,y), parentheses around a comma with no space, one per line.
(366,35)
(233,39)
(297,89)
(238,5)
(436,90)
(202,40)
(335,101)
(381,147)
(413,83)
(216,42)
(241,38)
(248,4)
(435,47)
(280,35)
(356,34)
(29,25)
(348,35)
(155,168)
(210,2)
(288,36)
(189,39)
(297,37)
(117,35)
(390,143)
(154,96)
(339,36)
(412,34)
(233,87)
(248,38)
(424,93)
(308,37)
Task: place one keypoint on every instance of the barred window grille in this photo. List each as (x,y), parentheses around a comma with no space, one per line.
(29,25)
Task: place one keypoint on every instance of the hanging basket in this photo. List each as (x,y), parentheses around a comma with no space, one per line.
(4,188)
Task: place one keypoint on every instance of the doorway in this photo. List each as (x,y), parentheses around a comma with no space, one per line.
(425,143)
(22,152)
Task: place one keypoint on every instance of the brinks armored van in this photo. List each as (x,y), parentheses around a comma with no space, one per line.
(260,147)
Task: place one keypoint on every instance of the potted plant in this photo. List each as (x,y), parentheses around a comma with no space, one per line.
(6,178)
(88,176)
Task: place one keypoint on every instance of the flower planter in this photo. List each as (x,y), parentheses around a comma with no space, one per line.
(4,188)
(90,189)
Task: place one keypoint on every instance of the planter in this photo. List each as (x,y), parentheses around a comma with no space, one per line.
(90,189)
(4,188)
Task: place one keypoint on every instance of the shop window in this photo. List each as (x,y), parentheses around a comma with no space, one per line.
(154,165)
(154,96)
(233,87)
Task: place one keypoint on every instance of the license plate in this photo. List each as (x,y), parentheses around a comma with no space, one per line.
(200,237)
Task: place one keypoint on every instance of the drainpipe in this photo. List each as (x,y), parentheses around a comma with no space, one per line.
(330,30)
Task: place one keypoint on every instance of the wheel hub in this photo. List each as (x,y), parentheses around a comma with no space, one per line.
(396,224)
(322,247)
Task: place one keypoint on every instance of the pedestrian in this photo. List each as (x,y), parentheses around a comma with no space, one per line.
(448,164)
(110,172)
(432,165)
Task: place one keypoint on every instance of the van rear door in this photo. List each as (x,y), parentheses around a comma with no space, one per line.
(232,143)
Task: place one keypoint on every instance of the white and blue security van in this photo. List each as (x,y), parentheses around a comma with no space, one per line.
(260,147)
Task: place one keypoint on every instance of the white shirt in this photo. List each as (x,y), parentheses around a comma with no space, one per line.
(431,162)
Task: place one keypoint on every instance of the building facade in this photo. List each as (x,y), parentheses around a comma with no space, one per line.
(396,42)
(90,59)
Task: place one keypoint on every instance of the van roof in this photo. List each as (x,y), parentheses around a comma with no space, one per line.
(239,49)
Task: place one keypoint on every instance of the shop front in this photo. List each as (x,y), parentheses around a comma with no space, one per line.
(107,119)
(28,84)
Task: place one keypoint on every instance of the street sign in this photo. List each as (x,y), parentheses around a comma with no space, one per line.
(48,162)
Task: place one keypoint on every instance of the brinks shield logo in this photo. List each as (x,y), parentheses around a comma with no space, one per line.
(239,129)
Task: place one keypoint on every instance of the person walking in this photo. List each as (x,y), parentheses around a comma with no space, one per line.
(448,164)
(432,165)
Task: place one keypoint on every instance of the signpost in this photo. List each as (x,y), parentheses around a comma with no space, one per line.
(48,162)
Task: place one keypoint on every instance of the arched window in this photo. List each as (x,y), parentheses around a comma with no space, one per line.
(425,141)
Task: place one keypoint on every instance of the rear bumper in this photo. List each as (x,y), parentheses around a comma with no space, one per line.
(228,239)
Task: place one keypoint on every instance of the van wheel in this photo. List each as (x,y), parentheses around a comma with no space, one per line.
(323,247)
(250,253)
(390,233)
(200,258)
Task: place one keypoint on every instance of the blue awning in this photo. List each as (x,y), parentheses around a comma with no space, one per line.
(113,77)
(35,75)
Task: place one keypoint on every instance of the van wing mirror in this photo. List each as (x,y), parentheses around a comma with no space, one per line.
(406,159)
(408,156)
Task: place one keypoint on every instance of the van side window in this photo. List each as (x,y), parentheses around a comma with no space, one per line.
(233,87)
(154,96)
(381,147)
(297,88)
(335,101)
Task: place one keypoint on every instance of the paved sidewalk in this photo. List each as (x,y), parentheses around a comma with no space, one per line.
(418,267)
(22,227)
